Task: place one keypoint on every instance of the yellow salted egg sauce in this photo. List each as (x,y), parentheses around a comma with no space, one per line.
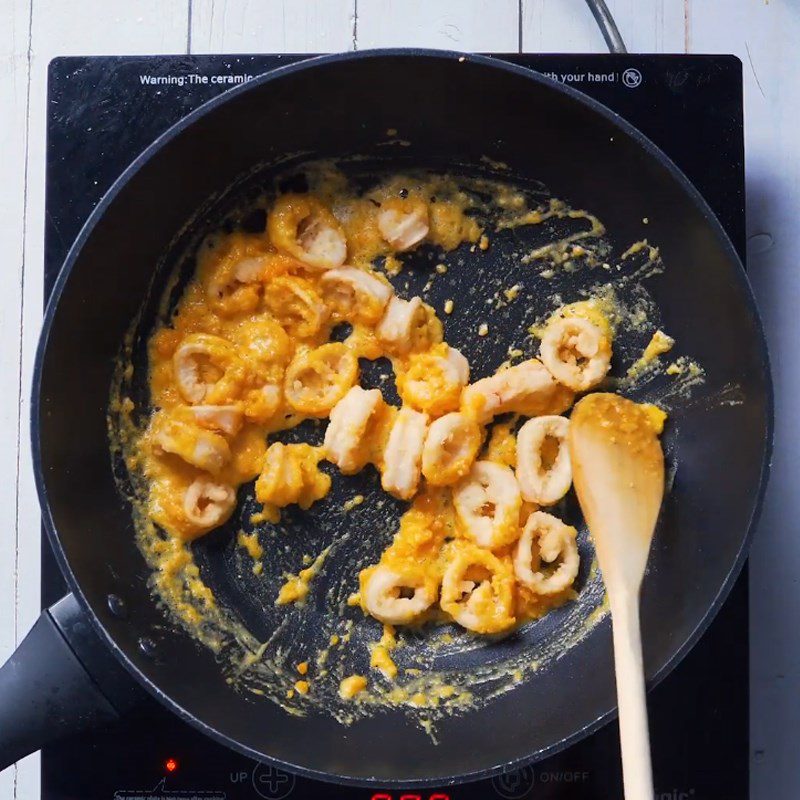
(247,353)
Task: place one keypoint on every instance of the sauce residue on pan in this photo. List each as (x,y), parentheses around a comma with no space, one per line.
(240,275)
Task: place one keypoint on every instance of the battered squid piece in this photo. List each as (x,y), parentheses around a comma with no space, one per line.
(546,557)
(228,419)
(403,453)
(296,305)
(526,388)
(396,597)
(576,352)
(478,590)
(433,381)
(290,475)
(396,328)
(197,446)
(261,405)
(355,295)
(403,222)
(488,503)
(208,504)
(200,364)
(304,227)
(345,443)
(317,379)
(541,482)
(450,448)
(263,342)
(250,269)
(236,287)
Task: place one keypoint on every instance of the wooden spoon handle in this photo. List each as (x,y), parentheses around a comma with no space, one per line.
(637,771)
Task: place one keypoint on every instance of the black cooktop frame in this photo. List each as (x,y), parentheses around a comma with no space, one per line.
(103,111)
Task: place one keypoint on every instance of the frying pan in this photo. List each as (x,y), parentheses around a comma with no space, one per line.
(86,657)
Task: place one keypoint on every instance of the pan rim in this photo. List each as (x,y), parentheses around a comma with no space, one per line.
(493,62)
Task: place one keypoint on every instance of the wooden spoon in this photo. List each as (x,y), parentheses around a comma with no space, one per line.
(618,471)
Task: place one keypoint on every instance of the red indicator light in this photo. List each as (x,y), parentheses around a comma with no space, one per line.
(170,765)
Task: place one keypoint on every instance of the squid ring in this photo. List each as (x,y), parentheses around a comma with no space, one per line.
(575,352)
(403,223)
(477,590)
(526,388)
(403,453)
(539,483)
(488,503)
(546,540)
(200,363)
(201,448)
(408,325)
(433,380)
(345,443)
(396,598)
(316,380)
(208,504)
(450,448)
(355,294)
(305,228)
(296,305)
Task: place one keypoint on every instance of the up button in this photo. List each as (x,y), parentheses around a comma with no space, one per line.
(272,783)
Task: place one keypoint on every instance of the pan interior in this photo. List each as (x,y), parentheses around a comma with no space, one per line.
(443,669)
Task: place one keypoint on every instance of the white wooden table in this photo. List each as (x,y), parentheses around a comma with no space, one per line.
(763,33)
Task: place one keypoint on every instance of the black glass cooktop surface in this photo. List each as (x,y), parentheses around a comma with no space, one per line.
(102,112)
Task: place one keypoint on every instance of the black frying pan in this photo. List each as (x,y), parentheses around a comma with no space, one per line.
(452,110)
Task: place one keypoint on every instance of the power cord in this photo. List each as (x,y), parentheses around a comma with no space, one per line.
(607,26)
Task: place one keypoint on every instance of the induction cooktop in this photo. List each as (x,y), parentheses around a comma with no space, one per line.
(102,112)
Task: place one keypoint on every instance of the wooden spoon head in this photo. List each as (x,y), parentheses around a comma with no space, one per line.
(618,472)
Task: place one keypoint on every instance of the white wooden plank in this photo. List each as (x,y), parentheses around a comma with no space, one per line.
(490,26)
(765,37)
(276,26)
(559,26)
(651,26)
(567,26)
(763,34)
(59,28)
(14,39)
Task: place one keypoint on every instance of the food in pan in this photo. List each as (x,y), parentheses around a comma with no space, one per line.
(271,331)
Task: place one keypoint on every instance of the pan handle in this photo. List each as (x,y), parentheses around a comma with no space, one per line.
(62,679)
